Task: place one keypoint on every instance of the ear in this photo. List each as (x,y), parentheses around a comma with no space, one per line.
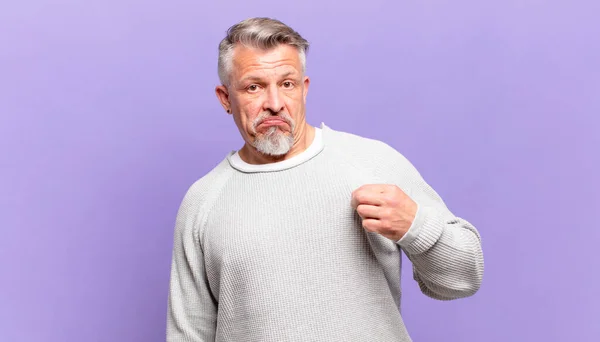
(223,96)
(306,84)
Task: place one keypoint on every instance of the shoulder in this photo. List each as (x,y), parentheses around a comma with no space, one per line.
(373,157)
(364,148)
(202,192)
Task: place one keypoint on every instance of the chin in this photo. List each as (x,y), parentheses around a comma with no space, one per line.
(274,143)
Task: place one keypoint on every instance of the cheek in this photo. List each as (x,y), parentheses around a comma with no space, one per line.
(249,111)
(294,104)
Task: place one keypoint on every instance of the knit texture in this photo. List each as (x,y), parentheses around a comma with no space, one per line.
(277,253)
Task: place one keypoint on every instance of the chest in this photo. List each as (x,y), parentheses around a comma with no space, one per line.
(264,228)
(260,217)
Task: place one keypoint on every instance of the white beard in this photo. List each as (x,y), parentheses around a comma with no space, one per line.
(274,142)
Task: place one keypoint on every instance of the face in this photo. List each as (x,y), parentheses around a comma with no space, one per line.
(267,97)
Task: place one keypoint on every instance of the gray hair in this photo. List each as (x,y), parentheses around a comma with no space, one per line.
(261,33)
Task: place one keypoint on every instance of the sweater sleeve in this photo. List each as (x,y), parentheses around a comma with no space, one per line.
(192,310)
(445,250)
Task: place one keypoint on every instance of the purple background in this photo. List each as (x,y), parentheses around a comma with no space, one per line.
(108,114)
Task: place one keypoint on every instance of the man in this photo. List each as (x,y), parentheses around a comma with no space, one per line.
(298,235)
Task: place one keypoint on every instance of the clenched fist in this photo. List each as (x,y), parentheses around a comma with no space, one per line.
(385,209)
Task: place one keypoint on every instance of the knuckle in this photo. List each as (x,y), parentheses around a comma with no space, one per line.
(388,212)
(359,189)
(360,197)
(366,225)
(360,209)
(390,199)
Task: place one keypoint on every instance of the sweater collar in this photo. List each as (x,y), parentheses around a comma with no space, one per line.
(313,149)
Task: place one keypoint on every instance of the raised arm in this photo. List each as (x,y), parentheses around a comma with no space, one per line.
(445,250)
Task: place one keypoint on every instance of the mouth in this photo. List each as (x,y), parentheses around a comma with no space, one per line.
(272,122)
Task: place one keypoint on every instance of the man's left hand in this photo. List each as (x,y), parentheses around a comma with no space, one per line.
(385,209)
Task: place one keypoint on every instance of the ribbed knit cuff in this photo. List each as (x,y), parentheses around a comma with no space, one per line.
(424,232)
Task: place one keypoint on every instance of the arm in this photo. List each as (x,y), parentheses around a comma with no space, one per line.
(446,254)
(191,315)
(445,249)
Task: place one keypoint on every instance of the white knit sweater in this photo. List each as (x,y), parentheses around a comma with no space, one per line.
(276,252)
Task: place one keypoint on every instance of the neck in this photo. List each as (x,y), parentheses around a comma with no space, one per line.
(304,137)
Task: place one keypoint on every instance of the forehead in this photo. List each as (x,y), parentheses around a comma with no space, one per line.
(281,59)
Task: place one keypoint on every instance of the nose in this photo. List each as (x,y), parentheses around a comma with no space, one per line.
(274,101)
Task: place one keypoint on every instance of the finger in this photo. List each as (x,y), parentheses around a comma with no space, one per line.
(371,225)
(369,211)
(380,188)
(366,197)
(354,202)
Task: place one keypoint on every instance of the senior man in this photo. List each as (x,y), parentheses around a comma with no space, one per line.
(298,235)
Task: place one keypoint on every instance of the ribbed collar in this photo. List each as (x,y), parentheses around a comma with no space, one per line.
(315,147)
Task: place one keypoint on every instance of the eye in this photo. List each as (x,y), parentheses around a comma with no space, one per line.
(252,88)
(288,85)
